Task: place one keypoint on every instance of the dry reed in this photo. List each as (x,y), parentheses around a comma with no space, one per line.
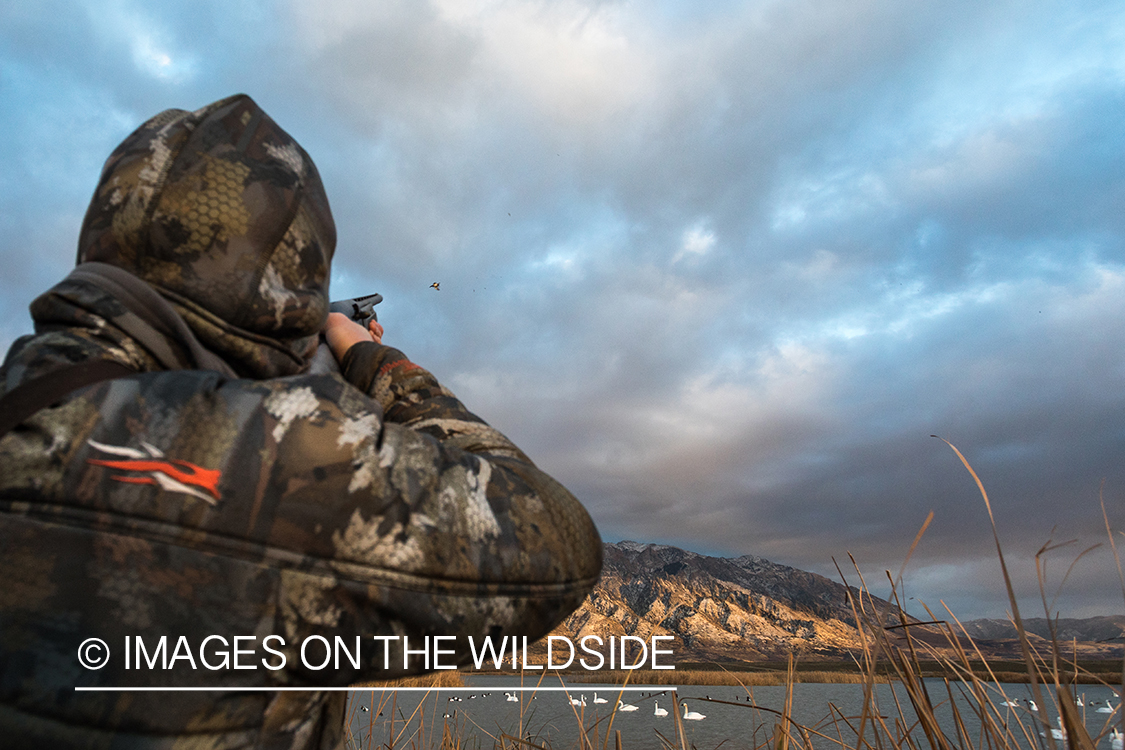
(445,678)
(891,651)
(719,677)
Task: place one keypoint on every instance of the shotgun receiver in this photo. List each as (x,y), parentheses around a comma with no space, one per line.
(359,309)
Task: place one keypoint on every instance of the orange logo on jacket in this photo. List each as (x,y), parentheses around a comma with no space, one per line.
(151,467)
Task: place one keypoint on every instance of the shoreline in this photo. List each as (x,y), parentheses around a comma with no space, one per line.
(777,673)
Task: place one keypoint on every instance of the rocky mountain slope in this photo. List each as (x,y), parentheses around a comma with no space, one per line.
(718,609)
(750,609)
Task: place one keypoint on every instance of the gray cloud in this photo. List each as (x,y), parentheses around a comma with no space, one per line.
(720,267)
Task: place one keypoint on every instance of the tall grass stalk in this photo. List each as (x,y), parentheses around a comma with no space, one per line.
(892,648)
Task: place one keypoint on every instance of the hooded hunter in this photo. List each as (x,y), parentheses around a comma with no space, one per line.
(170,467)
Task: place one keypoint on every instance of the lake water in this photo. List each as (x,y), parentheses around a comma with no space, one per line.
(480,712)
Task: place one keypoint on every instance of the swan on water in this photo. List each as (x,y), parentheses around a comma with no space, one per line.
(658,711)
(692,715)
(622,707)
(1056,734)
(599,700)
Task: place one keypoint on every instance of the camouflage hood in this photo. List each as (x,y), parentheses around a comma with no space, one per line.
(224,214)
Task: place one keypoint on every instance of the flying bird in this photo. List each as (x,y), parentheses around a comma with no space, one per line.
(436,285)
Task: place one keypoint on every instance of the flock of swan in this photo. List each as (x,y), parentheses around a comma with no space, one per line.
(621,706)
(627,708)
(1116,740)
(1108,708)
(1056,733)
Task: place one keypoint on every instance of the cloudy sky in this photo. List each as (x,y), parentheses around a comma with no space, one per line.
(722,267)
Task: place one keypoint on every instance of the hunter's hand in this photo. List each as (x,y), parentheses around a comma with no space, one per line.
(342,333)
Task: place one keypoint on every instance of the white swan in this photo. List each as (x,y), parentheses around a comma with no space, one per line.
(599,700)
(576,702)
(1011,704)
(511,698)
(1115,740)
(1031,705)
(692,715)
(658,711)
(622,707)
(1056,734)
(1106,709)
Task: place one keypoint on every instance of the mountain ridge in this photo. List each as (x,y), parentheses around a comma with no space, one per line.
(748,609)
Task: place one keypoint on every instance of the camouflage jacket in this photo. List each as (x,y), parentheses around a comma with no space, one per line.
(184,503)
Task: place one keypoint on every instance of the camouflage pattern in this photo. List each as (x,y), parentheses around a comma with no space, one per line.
(225,214)
(189,503)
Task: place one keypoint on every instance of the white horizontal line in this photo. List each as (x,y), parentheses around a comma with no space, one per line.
(489,688)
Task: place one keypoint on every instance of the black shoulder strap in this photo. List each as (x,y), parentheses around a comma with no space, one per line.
(24,400)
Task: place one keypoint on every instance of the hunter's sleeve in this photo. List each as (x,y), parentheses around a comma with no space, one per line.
(504,520)
(412,397)
(303,507)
